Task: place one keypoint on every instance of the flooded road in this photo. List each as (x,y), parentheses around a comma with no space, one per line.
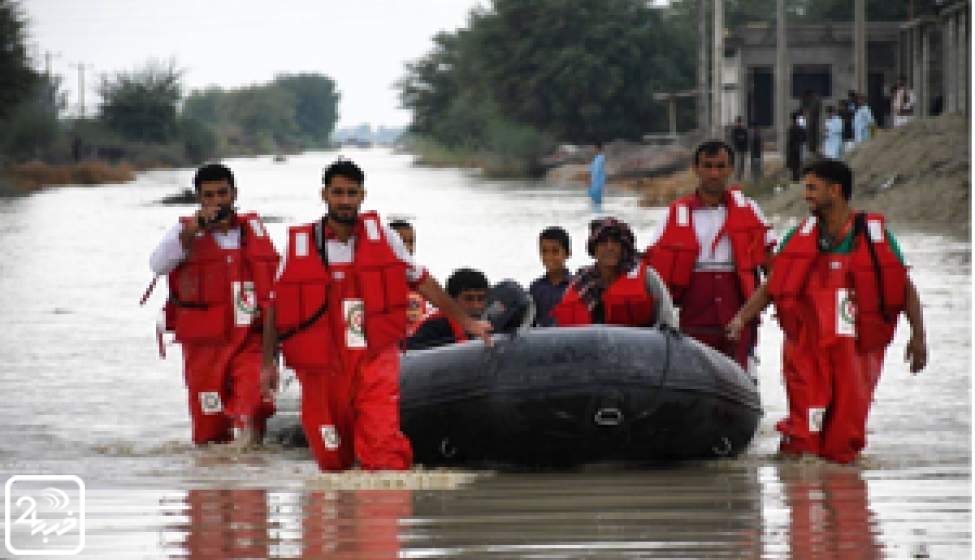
(86,395)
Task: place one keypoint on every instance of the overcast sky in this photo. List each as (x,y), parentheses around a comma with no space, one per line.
(361,44)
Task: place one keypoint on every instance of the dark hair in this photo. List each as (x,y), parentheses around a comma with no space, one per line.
(712,148)
(599,145)
(213,172)
(555,233)
(833,172)
(343,168)
(466,279)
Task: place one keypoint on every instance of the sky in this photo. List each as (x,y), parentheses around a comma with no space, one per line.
(361,44)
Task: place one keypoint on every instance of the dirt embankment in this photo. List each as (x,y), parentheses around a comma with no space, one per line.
(918,175)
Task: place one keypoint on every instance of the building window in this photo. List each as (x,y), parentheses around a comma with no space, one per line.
(814,77)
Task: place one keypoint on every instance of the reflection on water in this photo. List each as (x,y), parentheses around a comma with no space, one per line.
(804,510)
(87,395)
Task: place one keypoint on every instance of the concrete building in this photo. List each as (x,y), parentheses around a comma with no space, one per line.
(935,58)
(819,58)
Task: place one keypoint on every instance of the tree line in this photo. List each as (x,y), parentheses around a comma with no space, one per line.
(145,118)
(525,74)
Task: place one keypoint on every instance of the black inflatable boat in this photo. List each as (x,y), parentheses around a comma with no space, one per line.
(568,396)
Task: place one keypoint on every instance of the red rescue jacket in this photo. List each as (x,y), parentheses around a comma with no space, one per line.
(804,278)
(327,311)
(675,253)
(626,302)
(215,291)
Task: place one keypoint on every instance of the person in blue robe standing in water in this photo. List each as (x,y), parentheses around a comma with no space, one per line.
(597,176)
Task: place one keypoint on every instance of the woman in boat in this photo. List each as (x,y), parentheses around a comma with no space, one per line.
(616,289)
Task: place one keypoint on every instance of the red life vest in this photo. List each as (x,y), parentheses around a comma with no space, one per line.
(674,255)
(626,302)
(215,292)
(828,288)
(337,311)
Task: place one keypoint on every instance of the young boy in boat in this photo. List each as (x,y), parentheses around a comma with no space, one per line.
(617,289)
(468,287)
(547,290)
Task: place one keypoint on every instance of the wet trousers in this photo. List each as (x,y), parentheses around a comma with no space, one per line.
(350,412)
(223,385)
(830,390)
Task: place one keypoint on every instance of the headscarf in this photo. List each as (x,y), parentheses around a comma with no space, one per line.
(587,282)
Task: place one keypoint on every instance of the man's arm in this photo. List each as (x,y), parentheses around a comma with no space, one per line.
(430,289)
(917,349)
(269,346)
(755,304)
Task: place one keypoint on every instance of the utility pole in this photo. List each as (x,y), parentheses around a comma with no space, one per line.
(781,78)
(860,46)
(717,61)
(81,87)
(703,107)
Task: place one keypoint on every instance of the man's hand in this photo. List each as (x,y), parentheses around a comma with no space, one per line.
(269,381)
(733,329)
(916,353)
(480,329)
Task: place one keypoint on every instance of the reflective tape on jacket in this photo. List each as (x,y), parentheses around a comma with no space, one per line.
(370,307)
(802,276)
(674,255)
(215,291)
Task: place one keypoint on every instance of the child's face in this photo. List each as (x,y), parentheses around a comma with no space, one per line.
(553,255)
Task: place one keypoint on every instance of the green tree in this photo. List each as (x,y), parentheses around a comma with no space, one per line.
(141,105)
(574,70)
(32,129)
(17,78)
(205,105)
(316,103)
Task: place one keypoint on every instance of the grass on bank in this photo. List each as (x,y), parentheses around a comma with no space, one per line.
(26,177)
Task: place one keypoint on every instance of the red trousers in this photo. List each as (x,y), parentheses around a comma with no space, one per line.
(223,382)
(830,391)
(351,411)
(709,303)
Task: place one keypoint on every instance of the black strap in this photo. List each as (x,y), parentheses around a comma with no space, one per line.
(860,225)
(319,234)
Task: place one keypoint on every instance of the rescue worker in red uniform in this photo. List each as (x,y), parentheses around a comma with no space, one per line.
(839,284)
(617,289)
(221,266)
(339,310)
(469,288)
(709,250)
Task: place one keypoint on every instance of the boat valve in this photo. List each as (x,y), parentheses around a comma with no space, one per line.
(609,416)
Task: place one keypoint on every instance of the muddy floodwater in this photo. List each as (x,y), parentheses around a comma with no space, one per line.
(85,394)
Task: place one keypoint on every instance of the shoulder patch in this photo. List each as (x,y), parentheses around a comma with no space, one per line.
(257,227)
(683,217)
(876,230)
(739,197)
(301,244)
(372,229)
(808,225)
